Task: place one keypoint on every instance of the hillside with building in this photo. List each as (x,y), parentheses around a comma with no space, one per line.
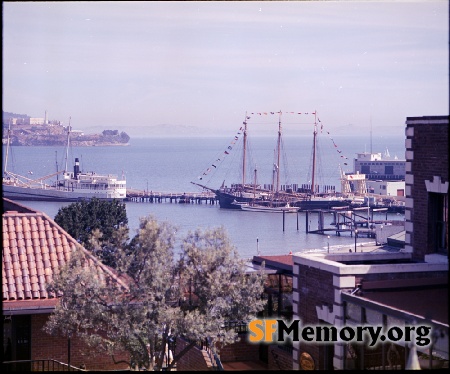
(34,131)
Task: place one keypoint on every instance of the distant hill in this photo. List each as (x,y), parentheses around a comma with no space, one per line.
(352,130)
(174,130)
(56,135)
(7,115)
(163,130)
(169,130)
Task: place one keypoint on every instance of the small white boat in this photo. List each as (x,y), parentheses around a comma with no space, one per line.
(271,209)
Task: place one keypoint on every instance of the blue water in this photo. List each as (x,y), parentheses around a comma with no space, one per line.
(170,164)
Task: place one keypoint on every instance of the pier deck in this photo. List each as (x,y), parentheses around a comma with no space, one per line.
(142,196)
(348,221)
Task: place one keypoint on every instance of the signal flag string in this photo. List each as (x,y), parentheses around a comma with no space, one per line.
(227,151)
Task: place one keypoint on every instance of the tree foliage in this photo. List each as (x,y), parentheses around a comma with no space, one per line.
(96,221)
(190,294)
(124,137)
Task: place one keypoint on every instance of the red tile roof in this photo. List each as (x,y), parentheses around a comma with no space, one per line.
(34,248)
(279,262)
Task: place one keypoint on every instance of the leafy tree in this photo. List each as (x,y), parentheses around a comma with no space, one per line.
(96,221)
(164,298)
(124,137)
(110,132)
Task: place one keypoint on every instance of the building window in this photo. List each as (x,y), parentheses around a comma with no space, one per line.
(388,170)
(438,221)
(365,169)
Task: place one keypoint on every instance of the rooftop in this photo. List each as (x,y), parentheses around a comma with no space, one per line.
(34,249)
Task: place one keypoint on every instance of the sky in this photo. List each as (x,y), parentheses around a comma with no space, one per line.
(206,65)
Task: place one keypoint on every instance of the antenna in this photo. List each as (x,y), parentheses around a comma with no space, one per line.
(67,146)
(370,134)
(7,145)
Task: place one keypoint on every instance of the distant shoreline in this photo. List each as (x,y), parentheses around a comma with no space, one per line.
(73,145)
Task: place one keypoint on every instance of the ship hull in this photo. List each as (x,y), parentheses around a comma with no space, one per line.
(268,209)
(228,201)
(320,204)
(53,194)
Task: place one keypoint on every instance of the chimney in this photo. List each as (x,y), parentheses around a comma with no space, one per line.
(76,168)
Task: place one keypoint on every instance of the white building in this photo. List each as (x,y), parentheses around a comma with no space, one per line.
(387,188)
(377,167)
(36,121)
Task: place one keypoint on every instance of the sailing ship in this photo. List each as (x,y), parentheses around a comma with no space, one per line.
(271,205)
(251,196)
(73,186)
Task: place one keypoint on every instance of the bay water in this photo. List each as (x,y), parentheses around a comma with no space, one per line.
(170,164)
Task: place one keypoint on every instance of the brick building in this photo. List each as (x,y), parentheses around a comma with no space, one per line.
(427,181)
(34,248)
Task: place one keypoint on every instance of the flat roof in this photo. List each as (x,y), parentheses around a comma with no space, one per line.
(428,303)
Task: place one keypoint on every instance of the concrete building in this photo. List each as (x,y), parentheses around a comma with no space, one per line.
(385,175)
(386,188)
(36,121)
(375,166)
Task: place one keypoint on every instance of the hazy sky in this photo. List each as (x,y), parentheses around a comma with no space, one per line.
(207,63)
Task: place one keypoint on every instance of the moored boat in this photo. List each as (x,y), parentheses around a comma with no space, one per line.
(253,193)
(270,209)
(73,186)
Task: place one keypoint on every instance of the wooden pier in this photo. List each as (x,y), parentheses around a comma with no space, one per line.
(347,220)
(141,196)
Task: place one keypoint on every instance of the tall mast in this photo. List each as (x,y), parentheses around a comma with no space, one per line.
(254,184)
(56,159)
(370,135)
(274,173)
(7,145)
(244,151)
(67,146)
(313,190)
(278,152)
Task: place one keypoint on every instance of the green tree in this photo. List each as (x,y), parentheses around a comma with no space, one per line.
(96,221)
(124,137)
(192,297)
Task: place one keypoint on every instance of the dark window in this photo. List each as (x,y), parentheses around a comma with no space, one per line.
(21,342)
(438,221)
(365,169)
(388,170)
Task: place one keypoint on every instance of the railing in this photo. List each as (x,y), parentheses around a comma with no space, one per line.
(144,193)
(239,327)
(38,365)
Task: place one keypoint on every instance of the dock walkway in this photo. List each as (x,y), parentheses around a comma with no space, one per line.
(141,196)
(348,220)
